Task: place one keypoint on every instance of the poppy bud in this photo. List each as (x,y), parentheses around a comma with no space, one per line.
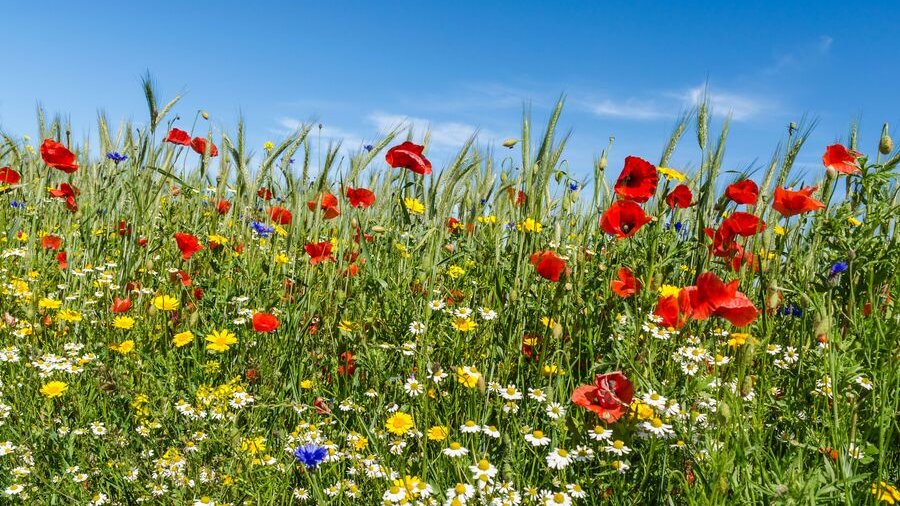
(204,114)
(887,144)
(830,173)
(792,127)
(509,143)
(378,229)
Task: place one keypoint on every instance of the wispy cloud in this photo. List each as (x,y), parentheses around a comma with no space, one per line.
(630,108)
(443,133)
(328,133)
(740,106)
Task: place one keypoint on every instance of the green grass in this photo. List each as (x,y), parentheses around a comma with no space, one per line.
(754,430)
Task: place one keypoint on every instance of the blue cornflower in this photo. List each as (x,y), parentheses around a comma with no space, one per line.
(838,268)
(678,226)
(15,204)
(790,310)
(291,161)
(116,157)
(368,147)
(483,201)
(573,186)
(310,455)
(262,229)
(511,225)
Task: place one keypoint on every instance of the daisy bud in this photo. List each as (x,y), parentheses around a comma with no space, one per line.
(887,144)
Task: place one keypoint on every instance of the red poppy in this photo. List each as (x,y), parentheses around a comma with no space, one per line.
(351,271)
(743,224)
(744,257)
(67,192)
(532,346)
(58,156)
(9,176)
(680,197)
(609,397)
(198,293)
(360,197)
(409,156)
(120,305)
(319,251)
(223,206)
(181,277)
(177,136)
(124,228)
(667,312)
(280,215)
(453,225)
(841,159)
(142,242)
(548,264)
(188,244)
(51,241)
(623,219)
(627,285)
(713,297)
(638,180)
(198,144)
(265,322)
(790,203)
(518,197)
(327,203)
(349,364)
(264,193)
(743,192)
(62,260)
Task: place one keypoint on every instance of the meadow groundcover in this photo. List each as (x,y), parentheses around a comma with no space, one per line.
(187,319)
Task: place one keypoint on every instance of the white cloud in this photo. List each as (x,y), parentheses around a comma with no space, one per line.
(741,106)
(446,134)
(628,109)
(327,133)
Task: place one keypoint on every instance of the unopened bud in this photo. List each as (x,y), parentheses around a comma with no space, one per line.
(830,173)
(509,143)
(887,144)
(204,114)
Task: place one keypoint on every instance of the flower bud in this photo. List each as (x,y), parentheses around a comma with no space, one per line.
(510,142)
(830,173)
(204,114)
(887,144)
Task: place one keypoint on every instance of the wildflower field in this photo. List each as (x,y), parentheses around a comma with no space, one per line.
(187,319)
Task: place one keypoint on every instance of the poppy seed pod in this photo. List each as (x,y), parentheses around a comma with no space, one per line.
(887,144)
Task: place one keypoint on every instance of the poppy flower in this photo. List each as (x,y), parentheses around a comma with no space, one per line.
(280,215)
(223,206)
(198,144)
(713,297)
(327,203)
(667,312)
(264,193)
(841,159)
(743,192)
(51,241)
(518,197)
(9,176)
(680,197)
(349,364)
(120,305)
(181,277)
(265,322)
(743,224)
(351,271)
(188,244)
(744,257)
(609,397)
(408,156)
(319,251)
(453,225)
(548,265)
(360,197)
(62,260)
(623,219)
(626,285)
(67,192)
(638,180)
(790,203)
(58,156)
(124,228)
(177,136)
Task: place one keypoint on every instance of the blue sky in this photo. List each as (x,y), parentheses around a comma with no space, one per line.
(627,68)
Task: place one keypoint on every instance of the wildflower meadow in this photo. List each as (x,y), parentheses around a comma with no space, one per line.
(188,319)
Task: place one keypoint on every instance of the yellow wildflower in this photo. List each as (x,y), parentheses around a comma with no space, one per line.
(220,341)
(183,338)
(54,389)
(165,303)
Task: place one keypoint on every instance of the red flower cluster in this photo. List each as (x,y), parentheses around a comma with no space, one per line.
(198,144)
(709,297)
